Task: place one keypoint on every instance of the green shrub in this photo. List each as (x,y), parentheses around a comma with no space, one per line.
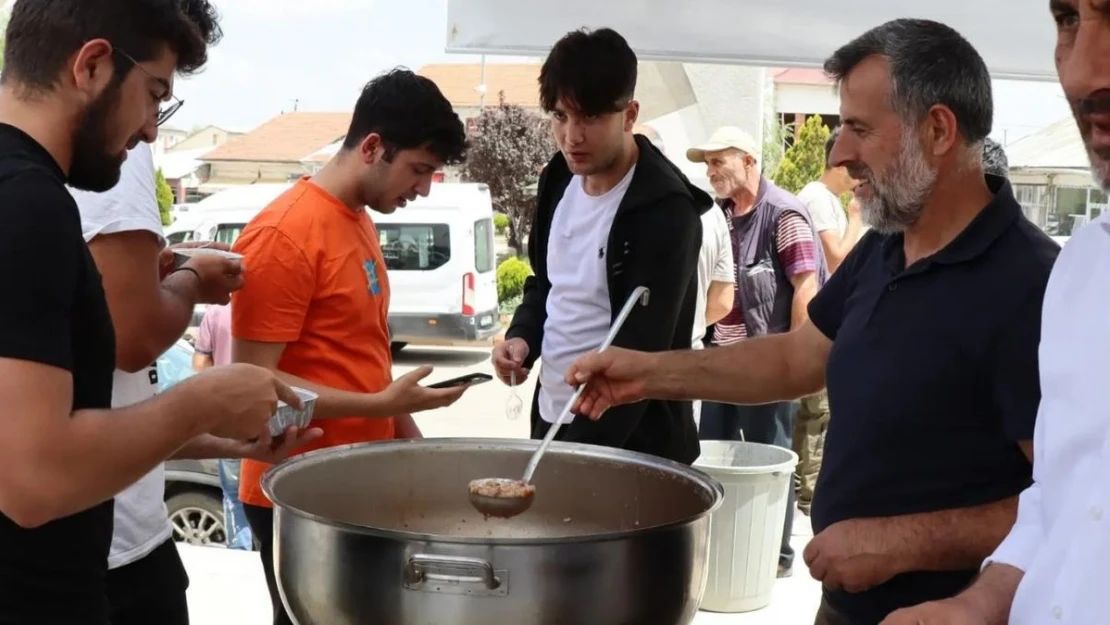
(501,223)
(510,278)
(164,194)
(509,306)
(804,161)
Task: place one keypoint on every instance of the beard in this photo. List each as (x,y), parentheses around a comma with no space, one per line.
(94,168)
(1100,167)
(1099,157)
(897,200)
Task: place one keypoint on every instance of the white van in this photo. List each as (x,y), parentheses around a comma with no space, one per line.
(439,251)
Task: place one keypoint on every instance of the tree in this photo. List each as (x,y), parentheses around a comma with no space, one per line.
(164,194)
(3,37)
(804,161)
(509,146)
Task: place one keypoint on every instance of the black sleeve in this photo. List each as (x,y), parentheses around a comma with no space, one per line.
(666,264)
(826,309)
(41,250)
(531,314)
(1016,372)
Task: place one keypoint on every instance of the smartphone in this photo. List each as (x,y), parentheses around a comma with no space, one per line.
(466,380)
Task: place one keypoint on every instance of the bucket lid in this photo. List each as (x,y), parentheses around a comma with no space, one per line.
(740,457)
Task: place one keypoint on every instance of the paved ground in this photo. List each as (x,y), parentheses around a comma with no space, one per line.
(227,587)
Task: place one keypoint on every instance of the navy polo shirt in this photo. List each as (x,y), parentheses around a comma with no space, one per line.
(932,380)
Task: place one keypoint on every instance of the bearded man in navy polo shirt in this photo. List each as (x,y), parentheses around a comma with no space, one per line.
(926,337)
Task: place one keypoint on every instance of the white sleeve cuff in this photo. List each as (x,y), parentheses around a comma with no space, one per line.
(1018,550)
(1021,545)
(127,224)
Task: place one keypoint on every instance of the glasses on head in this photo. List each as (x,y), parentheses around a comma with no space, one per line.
(170,102)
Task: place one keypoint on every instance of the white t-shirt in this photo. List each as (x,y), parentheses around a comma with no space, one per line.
(715,264)
(141,520)
(824,208)
(578,311)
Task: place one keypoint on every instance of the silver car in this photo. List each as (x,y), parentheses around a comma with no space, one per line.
(193,494)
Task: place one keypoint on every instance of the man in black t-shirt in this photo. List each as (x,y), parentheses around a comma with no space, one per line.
(83,81)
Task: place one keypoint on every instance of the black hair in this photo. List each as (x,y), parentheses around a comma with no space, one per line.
(43,34)
(994,159)
(930,64)
(829,143)
(408,111)
(594,71)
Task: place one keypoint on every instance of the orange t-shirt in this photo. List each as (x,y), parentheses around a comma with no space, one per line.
(315,280)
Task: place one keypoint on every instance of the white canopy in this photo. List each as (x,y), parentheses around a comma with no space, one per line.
(1015,37)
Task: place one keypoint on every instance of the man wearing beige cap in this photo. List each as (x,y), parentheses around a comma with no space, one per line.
(779,267)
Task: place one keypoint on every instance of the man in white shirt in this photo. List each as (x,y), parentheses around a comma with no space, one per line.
(838,228)
(150,309)
(716,274)
(716,279)
(1051,567)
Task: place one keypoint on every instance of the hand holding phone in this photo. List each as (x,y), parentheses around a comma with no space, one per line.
(465,380)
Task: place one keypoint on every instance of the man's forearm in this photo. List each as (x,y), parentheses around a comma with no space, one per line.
(799,309)
(179,295)
(404,426)
(168,320)
(753,371)
(208,446)
(992,594)
(528,320)
(851,234)
(103,452)
(949,540)
(336,404)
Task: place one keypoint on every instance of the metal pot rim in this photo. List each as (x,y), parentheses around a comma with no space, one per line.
(694,474)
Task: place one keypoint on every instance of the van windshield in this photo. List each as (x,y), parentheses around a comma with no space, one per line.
(415,247)
(179,237)
(227,233)
(483,245)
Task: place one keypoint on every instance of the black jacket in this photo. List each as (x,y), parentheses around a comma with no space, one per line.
(654,242)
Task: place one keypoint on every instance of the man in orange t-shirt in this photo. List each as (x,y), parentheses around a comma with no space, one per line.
(316,295)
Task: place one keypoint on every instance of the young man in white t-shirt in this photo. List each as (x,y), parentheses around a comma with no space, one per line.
(151,306)
(612,214)
(839,229)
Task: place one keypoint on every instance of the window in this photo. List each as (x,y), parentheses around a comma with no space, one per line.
(227,233)
(179,237)
(174,366)
(415,247)
(483,245)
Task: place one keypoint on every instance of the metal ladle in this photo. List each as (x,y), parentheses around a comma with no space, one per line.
(506,497)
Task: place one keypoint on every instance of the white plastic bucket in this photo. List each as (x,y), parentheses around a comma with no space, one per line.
(746,531)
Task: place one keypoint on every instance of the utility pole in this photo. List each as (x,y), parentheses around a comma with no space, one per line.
(482,85)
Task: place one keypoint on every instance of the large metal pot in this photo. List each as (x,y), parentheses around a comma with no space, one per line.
(383,534)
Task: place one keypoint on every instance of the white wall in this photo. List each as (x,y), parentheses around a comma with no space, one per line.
(729,96)
(678,131)
(726,96)
(820,99)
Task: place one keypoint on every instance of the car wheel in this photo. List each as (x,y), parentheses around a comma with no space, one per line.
(197,519)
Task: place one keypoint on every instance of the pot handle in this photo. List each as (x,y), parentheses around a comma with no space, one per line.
(451,570)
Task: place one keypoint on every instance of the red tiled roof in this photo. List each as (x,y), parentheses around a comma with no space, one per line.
(286,138)
(800,76)
(458,81)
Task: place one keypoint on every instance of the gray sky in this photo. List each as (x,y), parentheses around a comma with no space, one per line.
(321,52)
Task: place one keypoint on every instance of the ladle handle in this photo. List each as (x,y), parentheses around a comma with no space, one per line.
(638,294)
